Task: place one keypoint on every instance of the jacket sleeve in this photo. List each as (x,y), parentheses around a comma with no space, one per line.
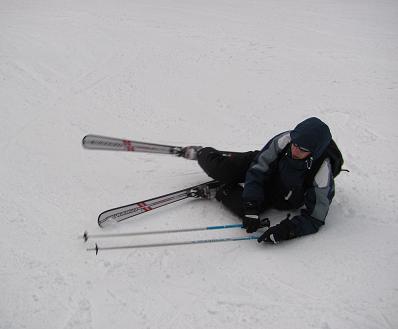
(261,168)
(317,201)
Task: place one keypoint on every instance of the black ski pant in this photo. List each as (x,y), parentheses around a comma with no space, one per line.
(230,169)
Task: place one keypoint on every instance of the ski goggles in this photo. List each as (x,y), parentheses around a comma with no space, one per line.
(303,149)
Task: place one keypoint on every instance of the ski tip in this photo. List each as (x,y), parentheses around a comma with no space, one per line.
(85,236)
(100,221)
(86,141)
(96,249)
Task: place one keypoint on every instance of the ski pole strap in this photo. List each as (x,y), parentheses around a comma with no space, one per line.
(166,244)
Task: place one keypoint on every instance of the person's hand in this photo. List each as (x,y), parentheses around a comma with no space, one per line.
(251,217)
(282,231)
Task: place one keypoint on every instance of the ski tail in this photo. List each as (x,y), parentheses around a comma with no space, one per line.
(97,142)
(122,213)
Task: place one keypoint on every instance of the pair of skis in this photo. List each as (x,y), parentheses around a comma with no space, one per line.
(119,214)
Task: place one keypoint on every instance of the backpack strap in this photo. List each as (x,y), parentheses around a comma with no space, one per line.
(336,161)
(316,165)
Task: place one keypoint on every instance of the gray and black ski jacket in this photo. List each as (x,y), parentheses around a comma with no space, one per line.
(276,180)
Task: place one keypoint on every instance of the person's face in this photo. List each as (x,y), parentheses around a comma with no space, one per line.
(299,153)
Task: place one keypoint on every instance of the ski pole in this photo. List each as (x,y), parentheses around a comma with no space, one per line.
(165,244)
(264,223)
(87,236)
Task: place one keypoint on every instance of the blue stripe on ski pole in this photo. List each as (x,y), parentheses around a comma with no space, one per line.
(220,227)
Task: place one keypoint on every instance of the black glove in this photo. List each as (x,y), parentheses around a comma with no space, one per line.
(282,231)
(251,217)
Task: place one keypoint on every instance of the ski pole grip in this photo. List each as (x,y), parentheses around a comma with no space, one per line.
(265,222)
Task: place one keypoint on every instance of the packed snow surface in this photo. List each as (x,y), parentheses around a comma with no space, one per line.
(224,73)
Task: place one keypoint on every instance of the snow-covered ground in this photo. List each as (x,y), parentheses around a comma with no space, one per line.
(225,73)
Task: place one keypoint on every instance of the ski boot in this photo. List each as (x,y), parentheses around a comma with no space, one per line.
(207,191)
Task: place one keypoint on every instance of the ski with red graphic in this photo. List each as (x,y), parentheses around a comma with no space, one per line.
(96,142)
(119,214)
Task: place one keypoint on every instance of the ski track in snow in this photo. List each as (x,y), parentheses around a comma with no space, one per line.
(227,74)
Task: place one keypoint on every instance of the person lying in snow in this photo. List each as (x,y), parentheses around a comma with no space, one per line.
(295,169)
